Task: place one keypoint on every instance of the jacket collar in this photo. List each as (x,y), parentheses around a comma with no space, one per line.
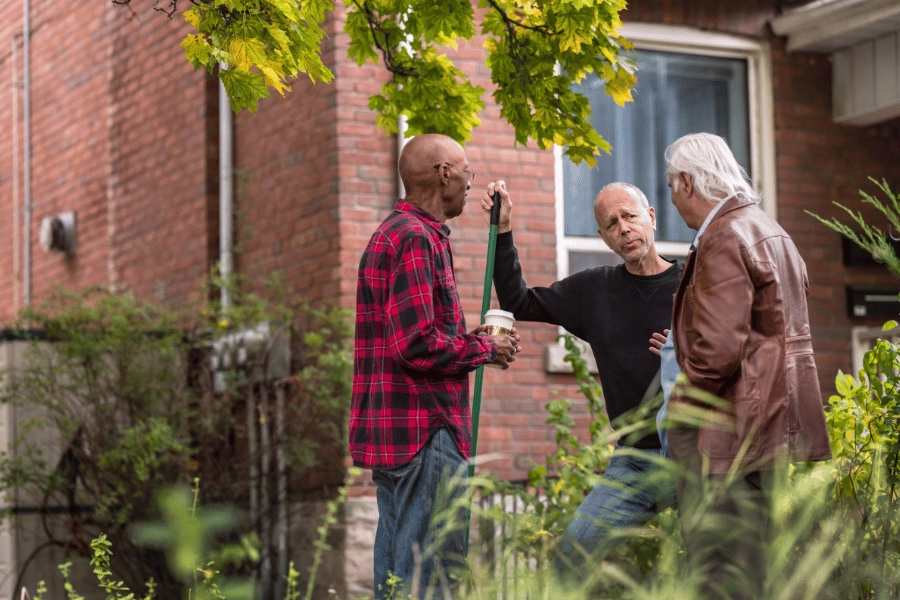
(732,204)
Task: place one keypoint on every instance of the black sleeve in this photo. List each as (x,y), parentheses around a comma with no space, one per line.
(558,304)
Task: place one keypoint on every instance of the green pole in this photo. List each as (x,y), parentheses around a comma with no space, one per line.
(479,373)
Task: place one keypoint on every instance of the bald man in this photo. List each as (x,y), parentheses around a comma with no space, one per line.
(410,421)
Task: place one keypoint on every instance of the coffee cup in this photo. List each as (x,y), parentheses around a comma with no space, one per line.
(498,322)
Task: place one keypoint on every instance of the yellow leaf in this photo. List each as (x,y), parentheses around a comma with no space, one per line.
(192,16)
(280,38)
(274,79)
(620,95)
(238,50)
(286,8)
(196,49)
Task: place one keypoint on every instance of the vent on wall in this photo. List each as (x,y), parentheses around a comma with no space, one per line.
(58,233)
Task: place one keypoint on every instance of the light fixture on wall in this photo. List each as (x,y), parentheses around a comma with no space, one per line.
(58,233)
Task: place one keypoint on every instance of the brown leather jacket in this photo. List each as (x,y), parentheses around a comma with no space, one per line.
(742,333)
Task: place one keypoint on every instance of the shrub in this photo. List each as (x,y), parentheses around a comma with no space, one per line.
(130,395)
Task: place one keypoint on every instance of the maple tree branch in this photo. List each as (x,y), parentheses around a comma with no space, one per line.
(386,52)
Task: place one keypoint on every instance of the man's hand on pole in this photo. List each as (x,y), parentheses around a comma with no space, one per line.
(487,202)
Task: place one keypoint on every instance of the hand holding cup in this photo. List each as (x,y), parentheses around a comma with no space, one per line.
(500,325)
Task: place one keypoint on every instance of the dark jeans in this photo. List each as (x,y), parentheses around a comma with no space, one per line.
(633,490)
(421,520)
(724,521)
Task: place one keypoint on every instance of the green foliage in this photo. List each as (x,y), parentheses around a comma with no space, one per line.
(129,397)
(262,42)
(870,238)
(427,87)
(41,590)
(864,421)
(292,591)
(834,525)
(323,529)
(574,469)
(71,593)
(188,533)
(536,52)
(101,561)
(558,487)
(395,588)
(114,361)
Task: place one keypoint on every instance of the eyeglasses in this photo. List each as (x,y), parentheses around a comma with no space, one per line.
(469,173)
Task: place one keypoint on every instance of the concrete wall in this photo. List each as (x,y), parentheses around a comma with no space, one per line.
(24,550)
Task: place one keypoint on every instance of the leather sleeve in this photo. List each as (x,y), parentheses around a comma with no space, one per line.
(718,310)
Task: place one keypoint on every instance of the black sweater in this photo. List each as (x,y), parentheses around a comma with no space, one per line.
(609,308)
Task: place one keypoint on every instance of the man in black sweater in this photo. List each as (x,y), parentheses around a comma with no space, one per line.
(616,310)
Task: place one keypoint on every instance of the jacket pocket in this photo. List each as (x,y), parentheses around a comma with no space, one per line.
(742,438)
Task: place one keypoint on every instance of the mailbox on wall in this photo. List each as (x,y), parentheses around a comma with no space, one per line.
(854,256)
(873,302)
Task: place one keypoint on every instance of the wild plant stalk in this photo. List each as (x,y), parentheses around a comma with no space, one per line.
(328,521)
(292,587)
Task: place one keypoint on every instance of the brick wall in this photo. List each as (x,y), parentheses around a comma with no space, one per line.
(120,134)
(820,162)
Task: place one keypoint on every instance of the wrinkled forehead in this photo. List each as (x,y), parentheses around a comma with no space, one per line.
(617,200)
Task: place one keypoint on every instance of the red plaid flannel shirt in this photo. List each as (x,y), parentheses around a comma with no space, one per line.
(412,354)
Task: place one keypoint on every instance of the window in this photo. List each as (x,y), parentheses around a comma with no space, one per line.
(688,81)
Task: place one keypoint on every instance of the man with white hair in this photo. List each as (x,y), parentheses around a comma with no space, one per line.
(615,310)
(741,333)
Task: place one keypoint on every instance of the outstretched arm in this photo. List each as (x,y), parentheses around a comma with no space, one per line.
(557,304)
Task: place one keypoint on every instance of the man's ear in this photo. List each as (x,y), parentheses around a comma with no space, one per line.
(687,183)
(440,173)
(652,214)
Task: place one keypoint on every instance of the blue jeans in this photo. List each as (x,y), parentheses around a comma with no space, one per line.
(633,490)
(421,519)
(669,373)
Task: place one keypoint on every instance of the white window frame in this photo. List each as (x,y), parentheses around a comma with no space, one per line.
(687,40)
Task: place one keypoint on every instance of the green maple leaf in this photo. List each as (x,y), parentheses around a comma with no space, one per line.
(244,89)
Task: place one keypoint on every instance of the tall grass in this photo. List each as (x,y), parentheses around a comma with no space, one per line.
(834,530)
